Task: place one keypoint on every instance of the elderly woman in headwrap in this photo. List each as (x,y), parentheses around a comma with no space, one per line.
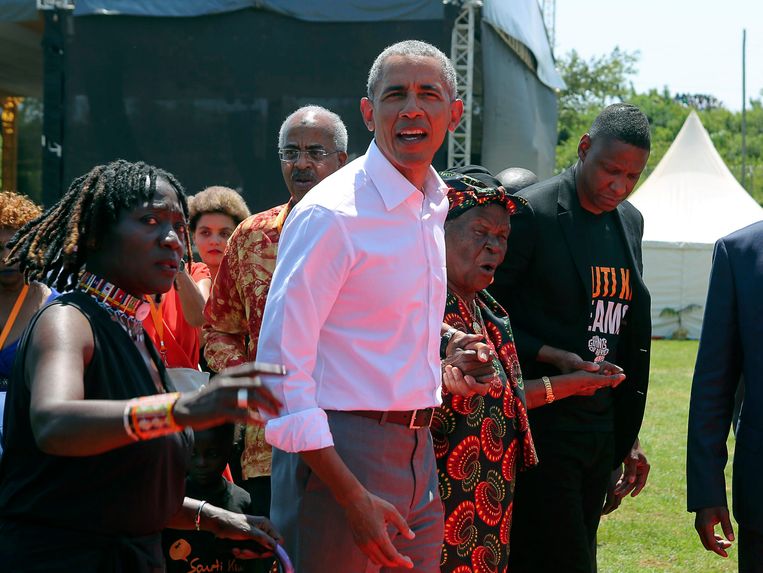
(481,440)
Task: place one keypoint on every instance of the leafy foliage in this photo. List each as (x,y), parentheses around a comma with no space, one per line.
(599,81)
(679,333)
(591,85)
(699,101)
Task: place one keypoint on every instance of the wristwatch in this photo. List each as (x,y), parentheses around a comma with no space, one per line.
(549,390)
(445,340)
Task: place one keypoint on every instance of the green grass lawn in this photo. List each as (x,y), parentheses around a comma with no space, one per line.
(654,532)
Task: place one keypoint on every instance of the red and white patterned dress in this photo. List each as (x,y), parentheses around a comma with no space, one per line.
(480,442)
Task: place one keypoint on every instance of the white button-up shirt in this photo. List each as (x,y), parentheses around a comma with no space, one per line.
(357,300)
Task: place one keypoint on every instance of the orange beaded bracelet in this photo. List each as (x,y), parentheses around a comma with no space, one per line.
(150,417)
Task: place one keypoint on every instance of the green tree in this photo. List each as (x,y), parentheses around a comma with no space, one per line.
(666,116)
(591,85)
(599,81)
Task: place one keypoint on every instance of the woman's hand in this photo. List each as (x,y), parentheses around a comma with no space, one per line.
(564,361)
(466,372)
(576,383)
(193,295)
(257,534)
(234,395)
(457,384)
(582,383)
(472,358)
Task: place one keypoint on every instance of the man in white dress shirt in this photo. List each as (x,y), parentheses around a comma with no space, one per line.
(355,313)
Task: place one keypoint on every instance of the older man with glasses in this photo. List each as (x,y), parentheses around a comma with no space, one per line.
(312,144)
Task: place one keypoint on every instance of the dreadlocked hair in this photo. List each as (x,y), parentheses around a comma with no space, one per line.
(54,247)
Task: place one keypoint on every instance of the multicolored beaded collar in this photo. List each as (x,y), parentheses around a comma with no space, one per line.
(128,310)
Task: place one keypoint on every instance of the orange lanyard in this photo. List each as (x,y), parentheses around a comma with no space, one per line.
(156,316)
(14,313)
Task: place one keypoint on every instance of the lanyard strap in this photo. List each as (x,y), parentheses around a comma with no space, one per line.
(156,316)
(14,313)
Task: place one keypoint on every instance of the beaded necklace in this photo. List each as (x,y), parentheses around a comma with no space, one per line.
(125,309)
(472,309)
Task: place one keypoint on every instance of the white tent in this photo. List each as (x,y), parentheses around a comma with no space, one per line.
(690,200)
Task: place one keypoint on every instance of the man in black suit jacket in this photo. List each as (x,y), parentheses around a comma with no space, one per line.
(730,348)
(572,284)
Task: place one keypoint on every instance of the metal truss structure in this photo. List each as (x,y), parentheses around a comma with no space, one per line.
(462,56)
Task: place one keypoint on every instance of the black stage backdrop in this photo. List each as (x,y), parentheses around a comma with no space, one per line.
(203,97)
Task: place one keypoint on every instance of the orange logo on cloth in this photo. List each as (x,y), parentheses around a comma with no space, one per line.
(610,293)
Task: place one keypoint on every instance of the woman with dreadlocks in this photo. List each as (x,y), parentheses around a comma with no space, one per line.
(96,438)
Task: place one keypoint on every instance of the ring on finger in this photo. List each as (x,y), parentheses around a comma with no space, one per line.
(242,398)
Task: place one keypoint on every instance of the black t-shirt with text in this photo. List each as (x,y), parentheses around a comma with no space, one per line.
(610,299)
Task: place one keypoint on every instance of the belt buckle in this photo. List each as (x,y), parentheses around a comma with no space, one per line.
(412,424)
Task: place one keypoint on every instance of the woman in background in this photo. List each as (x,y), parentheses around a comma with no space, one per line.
(213,215)
(18,301)
(175,321)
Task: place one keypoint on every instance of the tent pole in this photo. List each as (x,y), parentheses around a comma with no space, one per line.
(744,106)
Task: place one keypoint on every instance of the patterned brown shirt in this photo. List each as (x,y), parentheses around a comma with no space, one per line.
(234,311)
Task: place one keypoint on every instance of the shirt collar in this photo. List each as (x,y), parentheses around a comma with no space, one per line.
(393,187)
(281,217)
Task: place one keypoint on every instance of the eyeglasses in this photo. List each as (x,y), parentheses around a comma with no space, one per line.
(315,155)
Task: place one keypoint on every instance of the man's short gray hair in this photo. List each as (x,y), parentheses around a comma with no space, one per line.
(337,125)
(413,49)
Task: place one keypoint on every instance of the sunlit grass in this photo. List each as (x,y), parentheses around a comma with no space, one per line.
(654,532)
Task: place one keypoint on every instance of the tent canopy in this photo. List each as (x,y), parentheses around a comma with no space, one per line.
(692,197)
(690,201)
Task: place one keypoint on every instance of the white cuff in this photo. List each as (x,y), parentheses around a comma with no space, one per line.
(299,432)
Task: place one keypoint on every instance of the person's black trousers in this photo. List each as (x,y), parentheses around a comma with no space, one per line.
(259,489)
(557,505)
(750,550)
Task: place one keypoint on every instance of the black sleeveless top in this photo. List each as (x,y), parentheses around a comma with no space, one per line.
(125,493)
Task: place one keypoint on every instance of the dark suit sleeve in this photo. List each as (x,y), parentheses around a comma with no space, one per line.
(510,273)
(634,346)
(716,376)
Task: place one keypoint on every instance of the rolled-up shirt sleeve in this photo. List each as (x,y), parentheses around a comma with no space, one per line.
(314,259)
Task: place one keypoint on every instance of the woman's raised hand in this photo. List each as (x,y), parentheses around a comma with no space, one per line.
(236,394)
(582,383)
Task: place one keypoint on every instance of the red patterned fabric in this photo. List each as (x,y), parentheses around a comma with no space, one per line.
(234,312)
(180,338)
(480,442)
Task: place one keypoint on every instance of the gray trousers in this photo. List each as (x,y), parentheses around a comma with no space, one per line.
(392,462)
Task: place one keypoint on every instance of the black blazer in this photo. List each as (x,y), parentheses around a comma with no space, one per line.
(545,284)
(730,346)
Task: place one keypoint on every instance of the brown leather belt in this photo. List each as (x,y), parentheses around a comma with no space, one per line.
(414,419)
